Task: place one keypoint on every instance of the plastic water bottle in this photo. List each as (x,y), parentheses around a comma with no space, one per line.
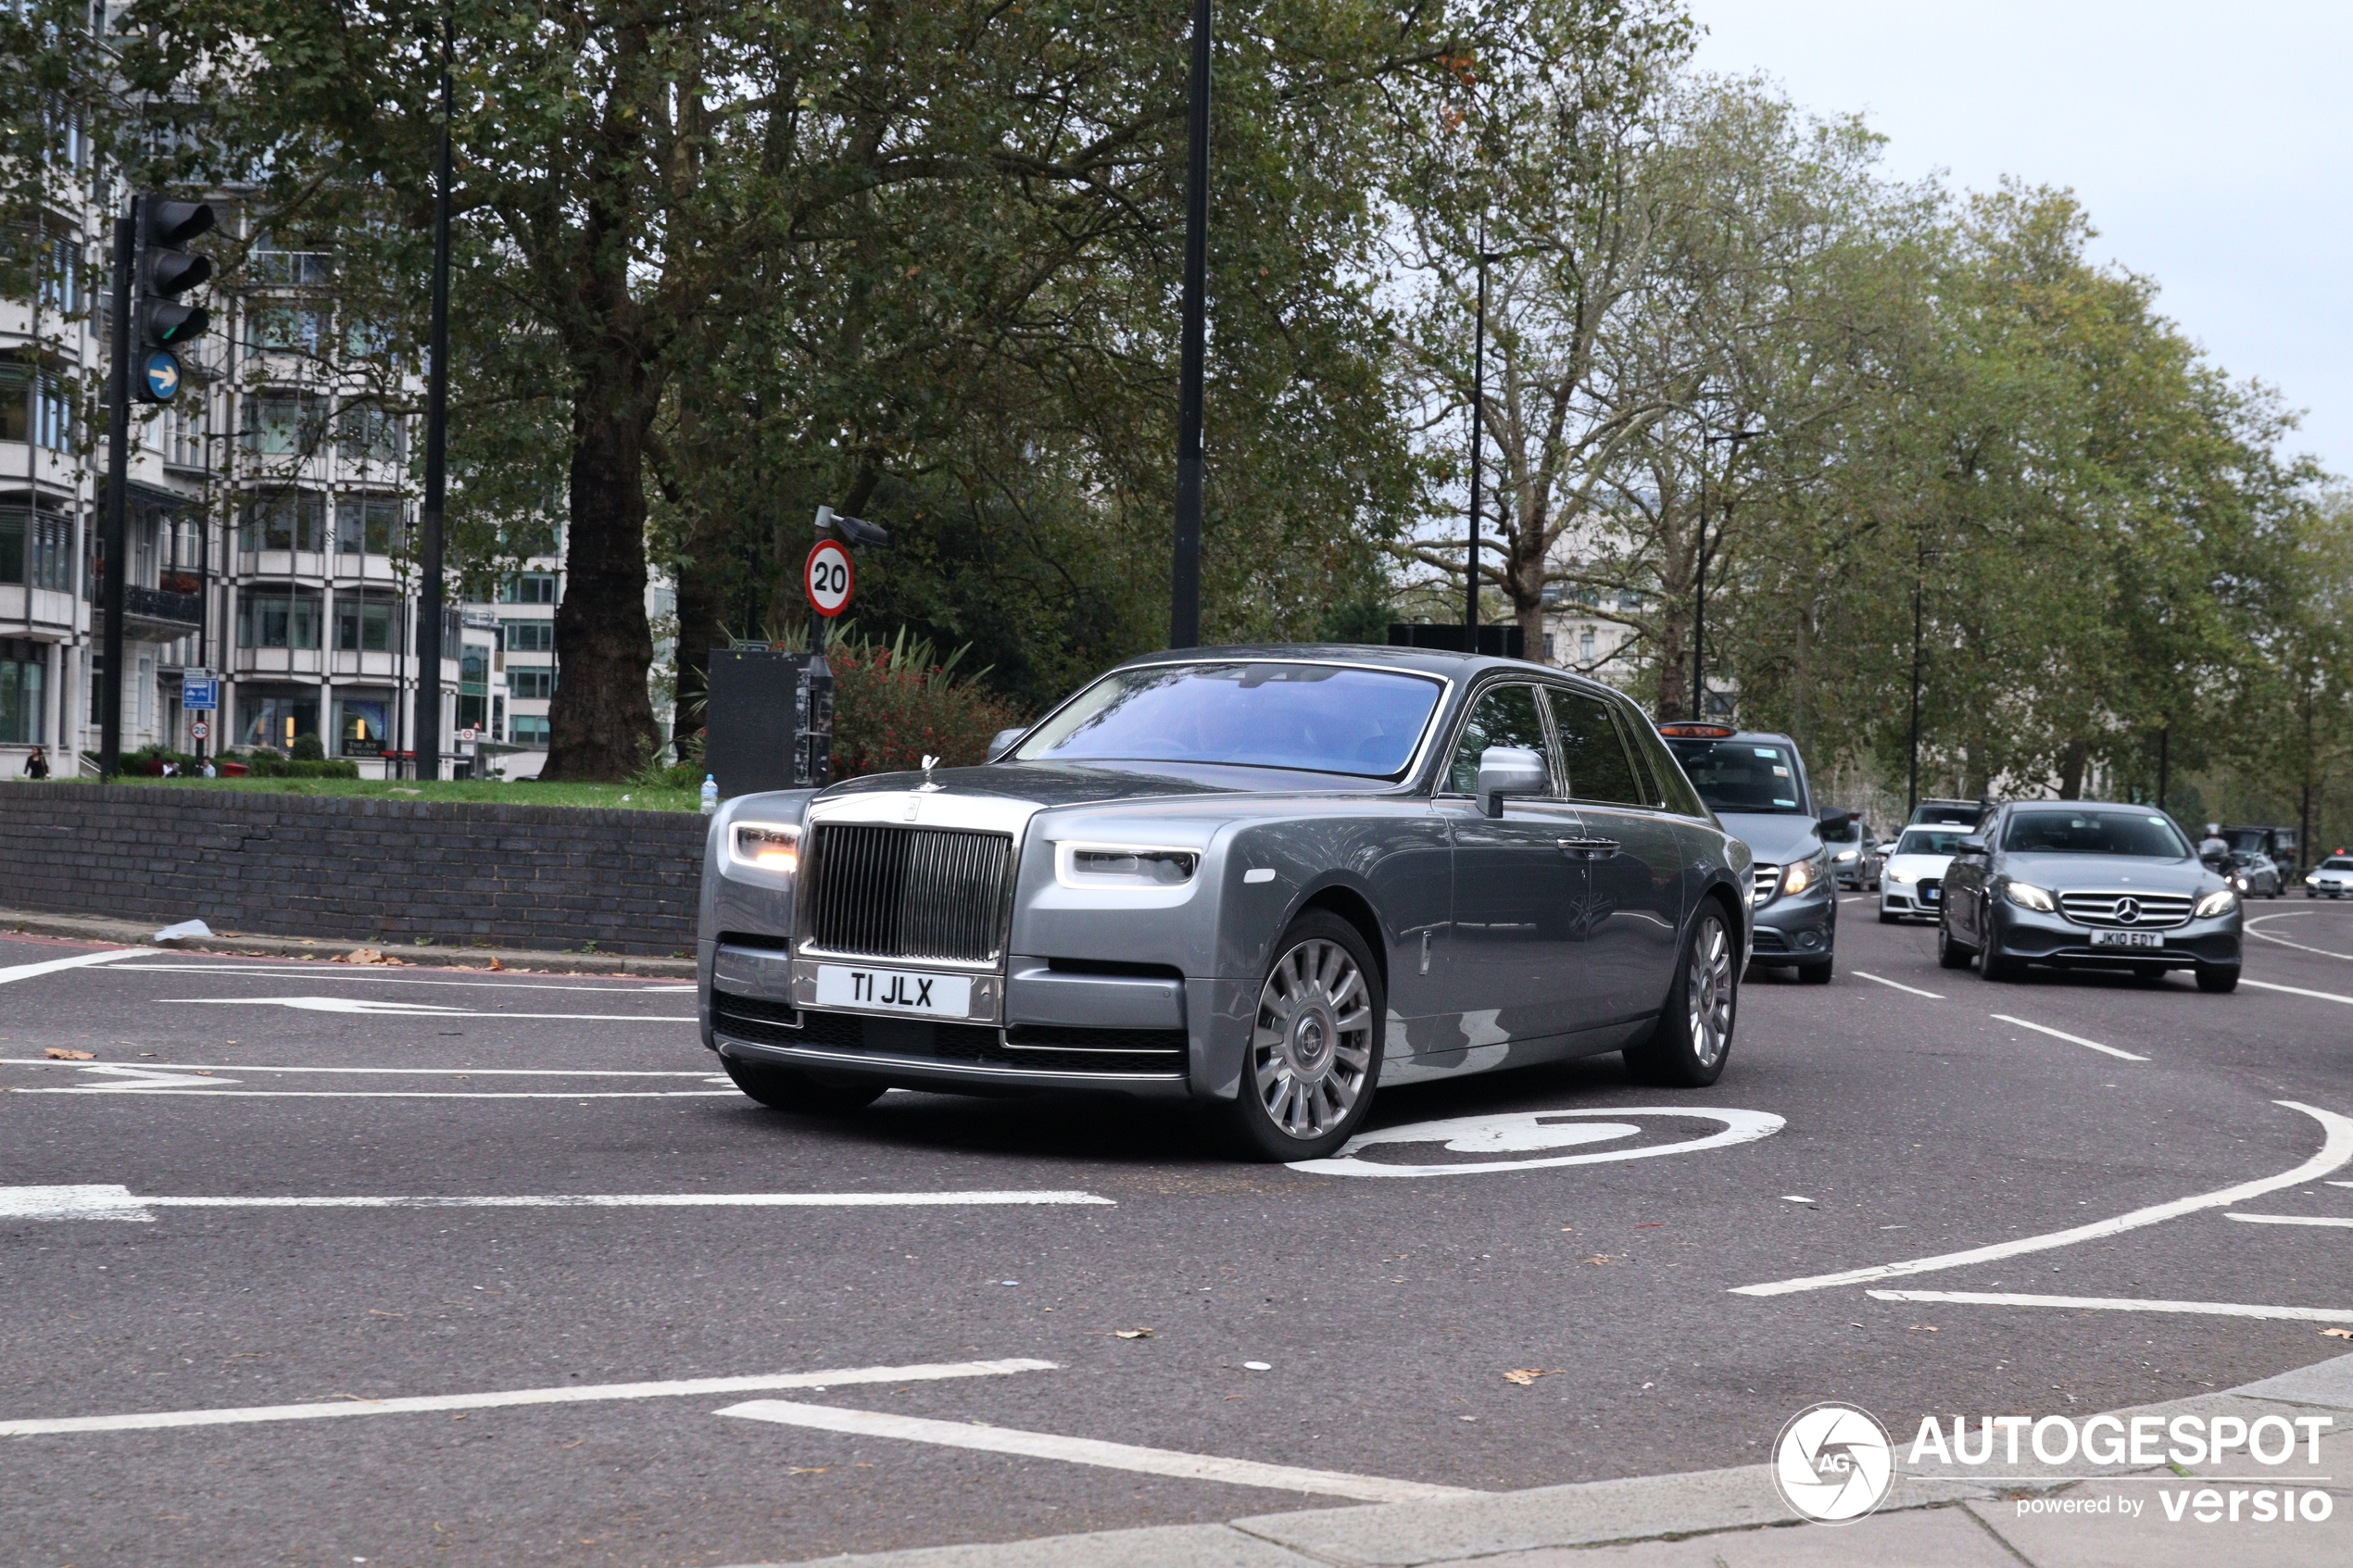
(709,794)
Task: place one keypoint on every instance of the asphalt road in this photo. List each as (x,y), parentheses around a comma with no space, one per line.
(1385,1312)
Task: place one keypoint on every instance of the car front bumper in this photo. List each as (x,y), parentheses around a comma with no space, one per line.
(2028,936)
(1903,899)
(1795,928)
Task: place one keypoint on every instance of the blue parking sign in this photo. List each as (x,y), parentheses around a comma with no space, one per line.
(199,694)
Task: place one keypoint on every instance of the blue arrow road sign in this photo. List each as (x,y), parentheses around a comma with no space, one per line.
(163,375)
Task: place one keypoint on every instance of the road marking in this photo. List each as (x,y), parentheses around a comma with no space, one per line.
(2289,914)
(2070,1039)
(169,1091)
(2290,1219)
(323,971)
(2336,1149)
(2118,1304)
(96,1201)
(1867,974)
(1087,1450)
(576,1394)
(2294,990)
(51,966)
(396,1072)
(410,1009)
(1517,1131)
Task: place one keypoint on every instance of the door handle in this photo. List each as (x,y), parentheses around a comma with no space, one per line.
(1589,848)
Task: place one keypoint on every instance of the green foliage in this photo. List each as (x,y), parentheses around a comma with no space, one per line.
(895,702)
(269,765)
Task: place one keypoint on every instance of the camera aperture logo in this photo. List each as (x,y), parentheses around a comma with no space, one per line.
(1833,1463)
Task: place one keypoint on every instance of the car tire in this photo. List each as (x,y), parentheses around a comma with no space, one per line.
(1949,953)
(804,1094)
(2217,979)
(1887,919)
(1693,1039)
(1992,965)
(1315,1052)
(1816,974)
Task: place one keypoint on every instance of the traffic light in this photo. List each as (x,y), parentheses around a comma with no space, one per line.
(163,272)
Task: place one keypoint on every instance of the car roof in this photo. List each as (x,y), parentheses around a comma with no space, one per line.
(2082,806)
(1463,667)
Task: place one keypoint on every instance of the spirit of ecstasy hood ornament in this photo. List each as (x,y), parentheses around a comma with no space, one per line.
(929,764)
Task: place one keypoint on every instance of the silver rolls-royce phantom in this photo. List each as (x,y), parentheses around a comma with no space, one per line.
(1267,879)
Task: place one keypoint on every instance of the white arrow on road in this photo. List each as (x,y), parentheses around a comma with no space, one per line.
(93,1201)
(147,1078)
(410,1009)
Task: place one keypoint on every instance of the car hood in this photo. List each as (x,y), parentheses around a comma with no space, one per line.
(1774,837)
(1918,865)
(2061,873)
(1062,783)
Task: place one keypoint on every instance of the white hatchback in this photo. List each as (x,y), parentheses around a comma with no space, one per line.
(1911,883)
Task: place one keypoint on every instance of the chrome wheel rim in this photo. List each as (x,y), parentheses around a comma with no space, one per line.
(1311,1046)
(1709,994)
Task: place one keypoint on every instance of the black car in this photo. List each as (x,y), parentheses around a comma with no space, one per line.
(1756,785)
(2091,886)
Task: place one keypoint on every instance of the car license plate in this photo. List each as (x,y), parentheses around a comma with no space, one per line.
(2128,939)
(894,990)
(1928,895)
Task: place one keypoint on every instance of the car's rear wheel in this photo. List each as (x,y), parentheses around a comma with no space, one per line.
(1693,1037)
(1315,1045)
(1949,953)
(785,1088)
(2218,978)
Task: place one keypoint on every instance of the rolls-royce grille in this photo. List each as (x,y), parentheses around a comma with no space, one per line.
(907,893)
(1764,881)
(2126,912)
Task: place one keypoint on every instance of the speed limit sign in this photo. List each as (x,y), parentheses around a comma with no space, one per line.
(829,578)
(199,729)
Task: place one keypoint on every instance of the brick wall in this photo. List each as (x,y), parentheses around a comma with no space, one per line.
(544,877)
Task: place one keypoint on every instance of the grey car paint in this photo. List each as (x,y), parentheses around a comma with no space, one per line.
(1396,857)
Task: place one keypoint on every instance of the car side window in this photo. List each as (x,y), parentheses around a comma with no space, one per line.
(1592,752)
(1501,716)
(1675,788)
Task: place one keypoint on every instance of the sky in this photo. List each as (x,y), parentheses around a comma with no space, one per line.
(2199,138)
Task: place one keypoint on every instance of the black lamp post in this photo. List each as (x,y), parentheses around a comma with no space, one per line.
(430,631)
(1699,605)
(1184,613)
(1477,446)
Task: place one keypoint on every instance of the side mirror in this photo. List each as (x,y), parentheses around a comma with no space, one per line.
(1510,769)
(1003,741)
(1972,845)
(1834,819)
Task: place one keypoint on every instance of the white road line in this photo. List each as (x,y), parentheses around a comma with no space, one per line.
(2290,1219)
(576,1394)
(2118,1304)
(323,971)
(1087,1450)
(104,1201)
(362,1005)
(2294,990)
(2070,1039)
(2336,1149)
(396,1071)
(167,1091)
(2290,914)
(1896,985)
(79,961)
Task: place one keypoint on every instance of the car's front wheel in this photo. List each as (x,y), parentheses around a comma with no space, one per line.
(2219,978)
(784,1088)
(1693,1037)
(1949,953)
(1991,965)
(1315,1045)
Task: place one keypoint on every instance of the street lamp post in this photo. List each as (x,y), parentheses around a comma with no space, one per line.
(1699,604)
(1477,447)
(1184,614)
(429,633)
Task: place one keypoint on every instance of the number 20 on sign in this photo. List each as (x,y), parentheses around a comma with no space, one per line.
(829,578)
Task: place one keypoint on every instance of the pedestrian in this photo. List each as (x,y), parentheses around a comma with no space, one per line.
(37,765)
(207,769)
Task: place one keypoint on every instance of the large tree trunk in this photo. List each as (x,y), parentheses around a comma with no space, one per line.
(602,719)
(2072,764)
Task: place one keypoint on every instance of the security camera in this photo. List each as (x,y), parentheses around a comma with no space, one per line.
(854,529)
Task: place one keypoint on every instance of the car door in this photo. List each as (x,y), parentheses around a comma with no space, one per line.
(1518,890)
(1634,863)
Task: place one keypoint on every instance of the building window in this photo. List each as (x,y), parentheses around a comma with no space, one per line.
(528,588)
(370,525)
(284,425)
(35,405)
(367,434)
(1585,645)
(531,685)
(36,549)
(283,326)
(184,435)
(529,729)
(363,728)
(366,624)
(283,520)
(529,636)
(275,717)
(279,616)
(1548,647)
(22,666)
(279,268)
(61,280)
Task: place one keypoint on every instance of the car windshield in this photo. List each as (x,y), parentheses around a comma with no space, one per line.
(2093,832)
(1740,776)
(1931,841)
(2336,863)
(1316,718)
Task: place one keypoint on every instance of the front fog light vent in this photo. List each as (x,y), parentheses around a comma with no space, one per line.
(1113,865)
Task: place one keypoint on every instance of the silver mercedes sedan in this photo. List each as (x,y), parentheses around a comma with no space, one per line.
(1266,879)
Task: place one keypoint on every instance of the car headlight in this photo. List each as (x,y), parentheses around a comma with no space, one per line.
(2313,881)
(768,846)
(1801,875)
(1906,878)
(2026,896)
(2221,901)
(1111,865)
(1845,854)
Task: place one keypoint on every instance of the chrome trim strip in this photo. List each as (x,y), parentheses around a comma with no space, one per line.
(953,1069)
